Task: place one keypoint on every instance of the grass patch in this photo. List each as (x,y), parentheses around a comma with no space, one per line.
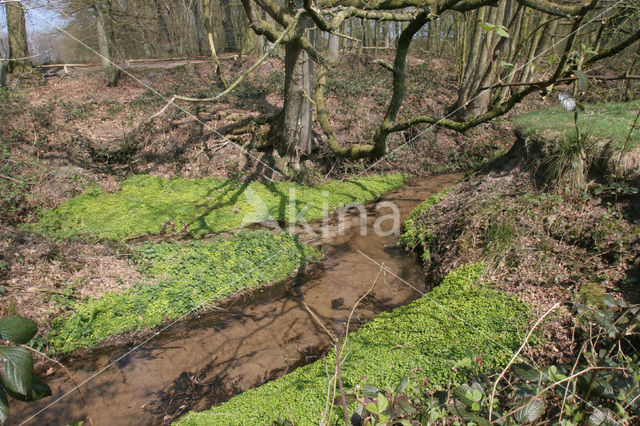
(498,240)
(606,121)
(416,233)
(153,205)
(187,277)
(421,338)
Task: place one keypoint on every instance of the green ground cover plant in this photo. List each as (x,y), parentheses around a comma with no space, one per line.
(417,234)
(187,277)
(605,122)
(153,205)
(423,340)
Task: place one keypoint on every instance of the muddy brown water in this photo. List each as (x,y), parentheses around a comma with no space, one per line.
(208,359)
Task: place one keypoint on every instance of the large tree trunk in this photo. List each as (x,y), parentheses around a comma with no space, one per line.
(295,124)
(333,51)
(3,73)
(104,29)
(195,22)
(230,43)
(386,34)
(432,36)
(18,45)
(162,26)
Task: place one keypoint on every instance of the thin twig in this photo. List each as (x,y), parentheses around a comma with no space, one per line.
(59,364)
(315,317)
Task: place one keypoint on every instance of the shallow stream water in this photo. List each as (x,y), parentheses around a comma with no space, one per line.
(210,358)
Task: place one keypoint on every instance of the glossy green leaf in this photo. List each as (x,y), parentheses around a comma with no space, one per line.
(403,406)
(370,391)
(17,372)
(17,329)
(38,390)
(372,408)
(383,403)
(402,386)
(464,393)
(598,418)
(4,406)
(460,409)
(531,411)
(526,373)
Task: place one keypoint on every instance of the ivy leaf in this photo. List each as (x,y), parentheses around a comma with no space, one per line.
(17,329)
(531,411)
(38,390)
(17,372)
(4,406)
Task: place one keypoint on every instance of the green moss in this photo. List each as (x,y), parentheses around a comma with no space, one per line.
(416,233)
(426,337)
(187,277)
(151,205)
(606,121)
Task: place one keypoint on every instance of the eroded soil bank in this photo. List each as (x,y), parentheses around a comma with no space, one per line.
(206,361)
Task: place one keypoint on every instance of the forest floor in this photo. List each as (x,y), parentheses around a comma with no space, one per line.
(73,136)
(70,134)
(540,242)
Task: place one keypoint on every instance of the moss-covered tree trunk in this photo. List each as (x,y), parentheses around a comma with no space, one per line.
(19,61)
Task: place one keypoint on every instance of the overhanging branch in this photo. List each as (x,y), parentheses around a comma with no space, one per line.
(244,75)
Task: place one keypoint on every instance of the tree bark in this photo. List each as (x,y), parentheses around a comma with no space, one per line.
(19,61)
(164,30)
(230,43)
(432,35)
(333,51)
(295,129)
(104,28)
(208,15)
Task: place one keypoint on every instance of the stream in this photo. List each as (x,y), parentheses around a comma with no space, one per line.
(205,361)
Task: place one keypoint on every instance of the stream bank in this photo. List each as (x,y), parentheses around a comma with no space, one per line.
(207,361)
